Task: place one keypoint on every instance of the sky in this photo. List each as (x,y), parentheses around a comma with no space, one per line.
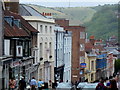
(69,3)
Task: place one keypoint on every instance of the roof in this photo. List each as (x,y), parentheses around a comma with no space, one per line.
(23,21)
(92,37)
(88,46)
(29,10)
(30,14)
(101,48)
(74,27)
(14,31)
(37,19)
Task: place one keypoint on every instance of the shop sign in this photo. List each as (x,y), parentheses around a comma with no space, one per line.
(27,63)
(74,76)
(16,63)
(83,65)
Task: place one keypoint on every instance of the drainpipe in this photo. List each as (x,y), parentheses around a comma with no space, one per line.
(56,45)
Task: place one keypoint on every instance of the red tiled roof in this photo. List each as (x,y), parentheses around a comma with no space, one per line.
(92,37)
(99,47)
(74,27)
(14,31)
(23,21)
(89,46)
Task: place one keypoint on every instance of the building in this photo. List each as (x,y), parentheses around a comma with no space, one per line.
(1,29)
(59,53)
(63,47)
(67,56)
(110,64)
(45,43)
(101,64)
(12,5)
(1,41)
(90,60)
(19,40)
(78,49)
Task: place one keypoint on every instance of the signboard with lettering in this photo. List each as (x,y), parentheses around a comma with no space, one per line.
(83,65)
(15,64)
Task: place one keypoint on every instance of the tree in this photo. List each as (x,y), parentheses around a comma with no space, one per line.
(117,65)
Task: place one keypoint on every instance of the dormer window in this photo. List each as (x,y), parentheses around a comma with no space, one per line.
(9,19)
(17,23)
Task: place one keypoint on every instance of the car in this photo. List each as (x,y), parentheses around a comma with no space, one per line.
(86,86)
(64,86)
(81,85)
(89,86)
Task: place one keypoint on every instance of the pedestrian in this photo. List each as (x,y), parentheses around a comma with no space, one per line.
(12,84)
(40,84)
(33,83)
(113,85)
(22,84)
(101,85)
(107,82)
(117,78)
(50,84)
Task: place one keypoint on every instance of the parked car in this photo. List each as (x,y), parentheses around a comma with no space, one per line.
(86,86)
(81,85)
(64,86)
(90,86)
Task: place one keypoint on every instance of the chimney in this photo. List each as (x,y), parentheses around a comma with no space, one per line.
(12,5)
(92,39)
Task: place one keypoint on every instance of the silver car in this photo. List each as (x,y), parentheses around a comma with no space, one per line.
(64,86)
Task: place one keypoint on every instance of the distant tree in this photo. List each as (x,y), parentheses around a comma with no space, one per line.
(117,65)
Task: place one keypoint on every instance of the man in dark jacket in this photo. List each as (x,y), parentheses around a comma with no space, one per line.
(22,84)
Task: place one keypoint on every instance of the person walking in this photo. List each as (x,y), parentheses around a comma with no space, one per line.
(101,85)
(12,84)
(33,83)
(113,85)
(40,84)
(22,84)
(107,82)
(117,78)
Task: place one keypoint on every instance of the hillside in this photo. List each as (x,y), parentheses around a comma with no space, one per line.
(100,21)
(104,23)
(76,15)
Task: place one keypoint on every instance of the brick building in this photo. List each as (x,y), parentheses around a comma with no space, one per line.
(78,50)
(12,5)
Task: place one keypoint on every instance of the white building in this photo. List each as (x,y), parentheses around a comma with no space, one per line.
(45,54)
(59,48)
(1,42)
(63,44)
(45,42)
(67,56)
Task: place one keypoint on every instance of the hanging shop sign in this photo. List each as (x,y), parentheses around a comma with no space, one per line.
(83,65)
